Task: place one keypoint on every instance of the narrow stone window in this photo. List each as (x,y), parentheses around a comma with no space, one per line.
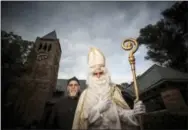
(49,47)
(45,47)
(40,46)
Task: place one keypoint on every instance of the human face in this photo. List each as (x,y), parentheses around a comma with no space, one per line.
(98,73)
(98,77)
(73,88)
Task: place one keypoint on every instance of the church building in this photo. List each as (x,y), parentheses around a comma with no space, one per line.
(31,92)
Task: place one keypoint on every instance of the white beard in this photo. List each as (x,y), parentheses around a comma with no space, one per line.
(72,94)
(98,89)
(100,86)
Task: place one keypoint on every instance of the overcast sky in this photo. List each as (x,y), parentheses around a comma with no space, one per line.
(80,25)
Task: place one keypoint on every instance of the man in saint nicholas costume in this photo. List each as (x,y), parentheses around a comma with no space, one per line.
(101,105)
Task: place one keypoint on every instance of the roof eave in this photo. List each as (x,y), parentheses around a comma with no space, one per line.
(161,82)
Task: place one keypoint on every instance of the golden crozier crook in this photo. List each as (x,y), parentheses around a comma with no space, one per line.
(132,46)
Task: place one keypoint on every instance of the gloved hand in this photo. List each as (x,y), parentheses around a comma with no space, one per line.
(103,105)
(139,108)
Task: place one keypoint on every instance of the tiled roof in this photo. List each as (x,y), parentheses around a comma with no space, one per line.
(156,75)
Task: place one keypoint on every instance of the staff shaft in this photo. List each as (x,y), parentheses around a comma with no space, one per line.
(132,63)
(134,78)
(129,46)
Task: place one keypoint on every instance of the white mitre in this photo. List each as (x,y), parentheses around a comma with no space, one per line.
(95,57)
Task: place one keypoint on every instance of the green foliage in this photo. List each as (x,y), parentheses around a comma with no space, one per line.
(177,16)
(14,48)
(124,85)
(165,39)
(14,53)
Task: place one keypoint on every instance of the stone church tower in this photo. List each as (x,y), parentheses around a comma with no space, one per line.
(48,54)
(30,93)
(45,71)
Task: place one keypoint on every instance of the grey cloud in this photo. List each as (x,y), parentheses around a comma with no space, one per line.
(80,25)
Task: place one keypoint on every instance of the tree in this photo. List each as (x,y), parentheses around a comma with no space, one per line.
(14,54)
(165,39)
(124,85)
(177,16)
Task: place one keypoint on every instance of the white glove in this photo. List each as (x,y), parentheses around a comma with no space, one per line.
(139,108)
(96,111)
(127,116)
(103,105)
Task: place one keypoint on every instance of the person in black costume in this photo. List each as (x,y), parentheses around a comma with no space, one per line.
(62,114)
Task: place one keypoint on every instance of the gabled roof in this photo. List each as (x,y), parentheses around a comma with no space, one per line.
(156,75)
(62,85)
(51,35)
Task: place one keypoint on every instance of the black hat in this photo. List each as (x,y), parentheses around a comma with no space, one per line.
(73,79)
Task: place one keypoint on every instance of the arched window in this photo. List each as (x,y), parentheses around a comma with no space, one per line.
(45,47)
(49,47)
(40,46)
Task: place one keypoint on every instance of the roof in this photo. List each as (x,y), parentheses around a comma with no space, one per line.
(156,75)
(51,35)
(62,85)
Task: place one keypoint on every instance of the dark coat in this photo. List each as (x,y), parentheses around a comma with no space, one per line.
(62,114)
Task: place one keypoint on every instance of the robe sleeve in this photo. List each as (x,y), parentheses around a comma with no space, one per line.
(127,116)
(52,118)
(79,121)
